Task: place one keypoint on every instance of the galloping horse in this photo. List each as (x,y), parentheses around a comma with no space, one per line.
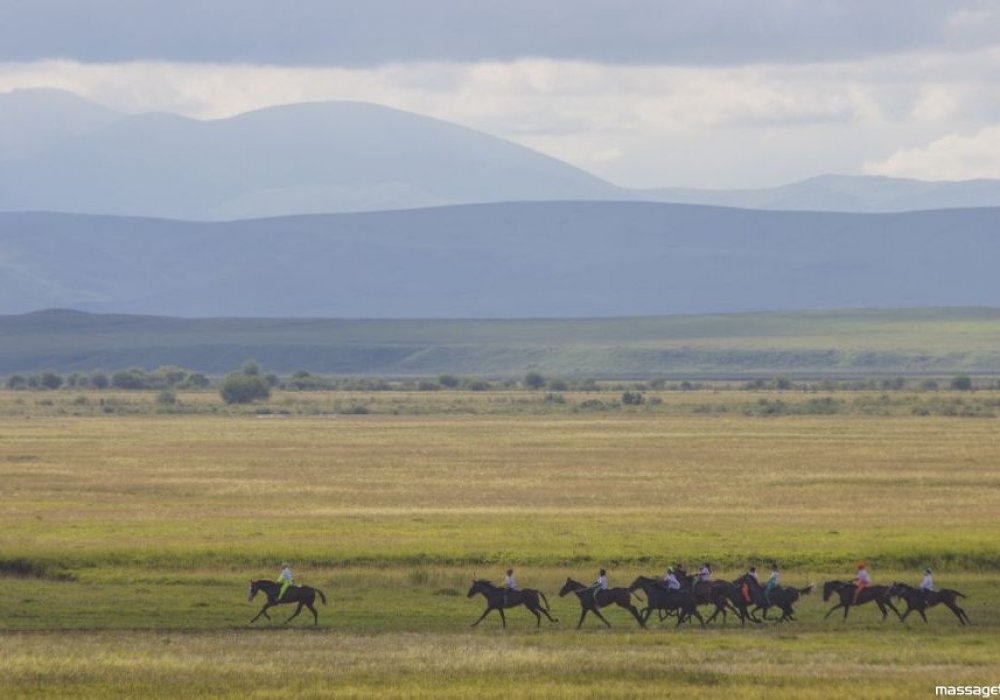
(723,595)
(780,596)
(499,598)
(660,598)
(845,590)
(590,600)
(303,595)
(920,600)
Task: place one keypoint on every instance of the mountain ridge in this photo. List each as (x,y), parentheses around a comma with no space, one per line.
(509,260)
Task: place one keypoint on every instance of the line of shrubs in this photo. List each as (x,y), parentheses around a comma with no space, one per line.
(177,378)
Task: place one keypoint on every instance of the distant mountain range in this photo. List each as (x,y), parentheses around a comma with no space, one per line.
(515,260)
(303,158)
(59,152)
(847,193)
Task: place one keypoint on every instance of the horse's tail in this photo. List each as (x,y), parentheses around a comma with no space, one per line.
(321,596)
(808,589)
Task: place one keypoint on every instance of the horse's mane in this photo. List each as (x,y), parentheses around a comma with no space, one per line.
(484,581)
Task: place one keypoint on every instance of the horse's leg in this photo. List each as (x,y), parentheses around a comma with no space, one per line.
(909,609)
(538,618)
(893,608)
(503,618)
(847,609)
(485,613)
(315,614)
(583,614)
(959,613)
(263,611)
(598,613)
(635,613)
(830,611)
(295,614)
(694,611)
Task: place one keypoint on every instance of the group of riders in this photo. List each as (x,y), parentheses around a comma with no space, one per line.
(676,591)
(672,580)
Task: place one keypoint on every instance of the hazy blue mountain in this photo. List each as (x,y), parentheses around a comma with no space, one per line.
(318,157)
(847,193)
(555,259)
(38,119)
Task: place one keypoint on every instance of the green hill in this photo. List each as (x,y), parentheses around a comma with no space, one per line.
(816,344)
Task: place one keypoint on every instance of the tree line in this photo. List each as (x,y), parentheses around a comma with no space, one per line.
(250,383)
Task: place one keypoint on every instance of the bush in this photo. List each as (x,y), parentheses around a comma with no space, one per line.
(477,385)
(448,381)
(134,378)
(632,398)
(166,398)
(50,380)
(99,380)
(534,381)
(244,388)
(961,383)
(17,381)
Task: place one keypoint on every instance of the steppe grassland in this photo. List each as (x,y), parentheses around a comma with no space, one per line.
(162,519)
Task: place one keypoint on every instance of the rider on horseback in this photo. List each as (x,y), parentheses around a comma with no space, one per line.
(670,579)
(285,579)
(509,585)
(705,574)
(601,584)
(862,581)
(772,582)
(927,585)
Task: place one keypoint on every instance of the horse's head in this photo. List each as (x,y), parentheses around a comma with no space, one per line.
(569,587)
(831,587)
(639,583)
(254,587)
(479,586)
(896,589)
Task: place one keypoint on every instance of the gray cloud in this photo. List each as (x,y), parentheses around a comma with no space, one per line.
(372,32)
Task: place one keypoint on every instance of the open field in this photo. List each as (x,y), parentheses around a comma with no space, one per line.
(816,344)
(128,541)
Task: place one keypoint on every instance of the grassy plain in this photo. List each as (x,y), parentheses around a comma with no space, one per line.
(128,542)
(813,343)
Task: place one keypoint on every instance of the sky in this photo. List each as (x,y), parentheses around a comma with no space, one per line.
(644,93)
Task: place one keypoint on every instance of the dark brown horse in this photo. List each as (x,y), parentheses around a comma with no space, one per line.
(303,595)
(723,595)
(781,597)
(500,598)
(658,597)
(591,600)
(919,600)
(845,591)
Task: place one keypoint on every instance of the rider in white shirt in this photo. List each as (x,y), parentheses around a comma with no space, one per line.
(285,579)
(705,574)
(927,584)
(601,584)
(671,580)
(509,583)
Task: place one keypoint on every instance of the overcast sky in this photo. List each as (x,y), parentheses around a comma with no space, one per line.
(711,93)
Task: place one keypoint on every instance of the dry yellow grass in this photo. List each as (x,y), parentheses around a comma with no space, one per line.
(162,518)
